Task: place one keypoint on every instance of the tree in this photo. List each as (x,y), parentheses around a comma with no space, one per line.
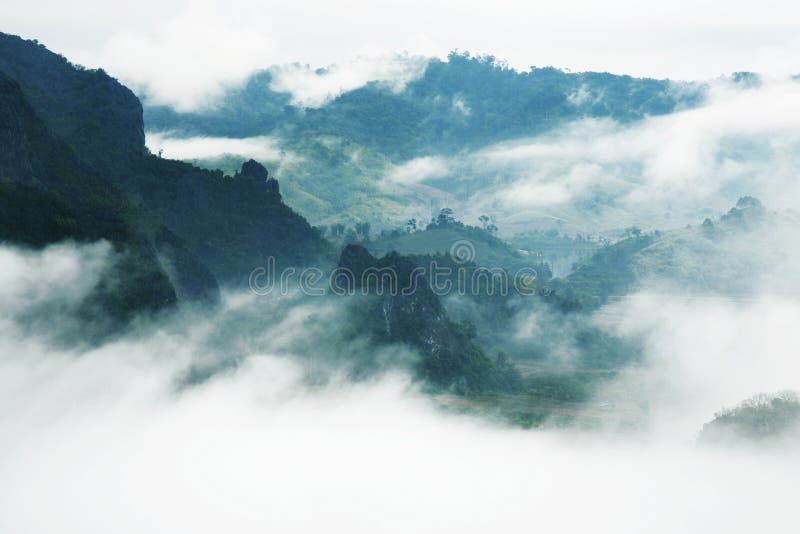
(445,218)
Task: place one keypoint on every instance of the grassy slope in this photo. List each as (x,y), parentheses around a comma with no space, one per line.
(489,250)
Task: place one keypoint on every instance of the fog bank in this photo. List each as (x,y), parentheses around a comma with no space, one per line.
(113,438)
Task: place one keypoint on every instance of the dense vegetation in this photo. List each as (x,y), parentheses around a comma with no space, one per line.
(74,166)
(463,102)
(355,141)
(47,196)
(758,420)
(443,231)
(560,250)
(230,224)
(450,356)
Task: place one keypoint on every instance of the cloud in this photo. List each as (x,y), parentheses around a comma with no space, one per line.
(51,282)
(315,87)
(705,353)
(112,436)
(105,439)
(419,169)
(660,172)
(263,148)
(460,105)
(187,61)
(598,175)
(537,194)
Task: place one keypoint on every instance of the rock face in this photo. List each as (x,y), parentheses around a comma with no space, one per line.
(230,225)
(87,109)
(47,195)
(409,308)
(406,310)
(253,170)
(273,188)
(19,132)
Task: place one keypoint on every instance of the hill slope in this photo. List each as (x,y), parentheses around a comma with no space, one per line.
(46,196)
(735,256)
(460,103)
(375,141)
(232,224)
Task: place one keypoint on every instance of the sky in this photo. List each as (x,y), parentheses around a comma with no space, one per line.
(186,51)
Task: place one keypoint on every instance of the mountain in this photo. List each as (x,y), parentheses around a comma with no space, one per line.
(46,196)
(763,419)
(464,102)
(446,235)
(231,224)
(734,255)
(360,140)
(87,109)
(451,358)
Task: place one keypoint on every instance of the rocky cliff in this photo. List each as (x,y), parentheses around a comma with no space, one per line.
(231,224)
(405,309)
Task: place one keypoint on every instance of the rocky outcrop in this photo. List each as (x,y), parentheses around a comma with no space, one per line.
(230,225)
(254,170)
(406,310)
(47,195)
(88,109)
(257,173)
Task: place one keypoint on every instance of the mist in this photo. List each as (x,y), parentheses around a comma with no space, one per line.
(661,172)
(312,88)
(173,146)
(585,176)
(115,437)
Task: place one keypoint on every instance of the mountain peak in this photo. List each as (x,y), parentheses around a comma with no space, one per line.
(255,170)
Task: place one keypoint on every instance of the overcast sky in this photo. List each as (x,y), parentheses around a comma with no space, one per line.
(176,46)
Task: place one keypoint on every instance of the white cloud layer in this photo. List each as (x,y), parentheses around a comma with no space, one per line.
(661,172)
(263,148)
(314,87)
(187,61)
(419,169)
(705,353)
(104,438)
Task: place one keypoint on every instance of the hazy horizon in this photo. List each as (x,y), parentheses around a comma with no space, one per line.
(181,50)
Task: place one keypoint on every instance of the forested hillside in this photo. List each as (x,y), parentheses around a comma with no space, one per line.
(463,102)
(231,224)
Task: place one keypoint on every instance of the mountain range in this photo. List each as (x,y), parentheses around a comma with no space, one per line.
(75,166)
(78,139)
(389,147)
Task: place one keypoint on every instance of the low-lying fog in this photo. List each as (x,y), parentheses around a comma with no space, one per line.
(112,439)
